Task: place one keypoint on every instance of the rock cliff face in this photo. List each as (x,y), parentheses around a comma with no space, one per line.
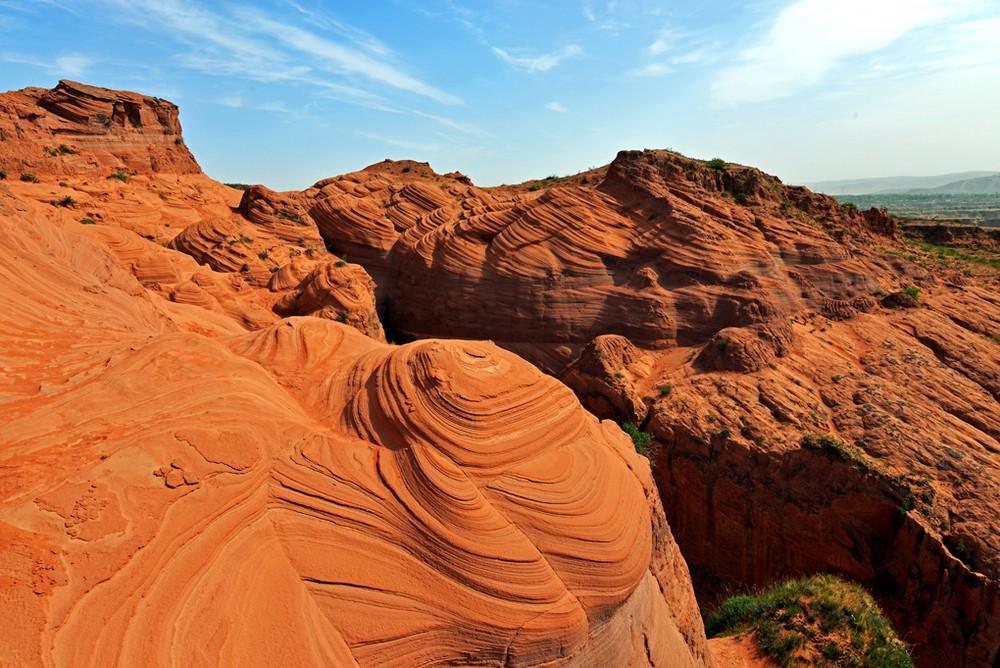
(75,129)
(732,317)
(188,478)
(817,403)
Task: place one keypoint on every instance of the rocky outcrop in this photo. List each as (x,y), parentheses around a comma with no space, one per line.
(335,290)
(858,447)
(815,405)
(75,129)
(603,378)
(182,484)
(663,251)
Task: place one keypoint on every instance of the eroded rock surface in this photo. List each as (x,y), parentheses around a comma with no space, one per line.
(761,314)
(817,402)
(187,478)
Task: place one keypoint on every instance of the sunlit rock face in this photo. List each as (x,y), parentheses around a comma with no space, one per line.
(189,478)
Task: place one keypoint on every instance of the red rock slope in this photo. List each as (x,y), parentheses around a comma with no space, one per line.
(732,317)
(187,479)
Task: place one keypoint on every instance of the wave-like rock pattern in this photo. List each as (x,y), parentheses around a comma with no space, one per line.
(102,128)
(656,253)
(666,252)
(304,495)
(334,290)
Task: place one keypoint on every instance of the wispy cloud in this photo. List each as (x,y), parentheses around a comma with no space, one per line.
(967,44)
(356,36)
(338,57)
(245,41)
(73,65)
(556,107)
(542,63)
(464,128)
(403,143)
(810,38)
(667,40)
(237,102)
(651,70)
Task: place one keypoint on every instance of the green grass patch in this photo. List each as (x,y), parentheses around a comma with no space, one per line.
(959,254)
(818,621)
(640,439)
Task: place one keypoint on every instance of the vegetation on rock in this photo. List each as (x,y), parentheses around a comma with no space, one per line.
(819,621)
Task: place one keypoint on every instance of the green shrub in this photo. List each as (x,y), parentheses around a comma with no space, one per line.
(120,175)
(664,390)
(640,439)
(912,290)
(62,149)
(28,177)
(342,316)
(3,175)
(717,163)
(907,504)
(88,221)
(821,615)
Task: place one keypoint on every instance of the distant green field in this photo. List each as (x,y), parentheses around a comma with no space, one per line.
(975,209)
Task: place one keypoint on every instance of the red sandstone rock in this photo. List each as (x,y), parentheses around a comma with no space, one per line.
(730,265)
(78,129)
(177,489)
(276,439)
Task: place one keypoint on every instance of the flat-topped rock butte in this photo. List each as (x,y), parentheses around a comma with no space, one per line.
(210,455)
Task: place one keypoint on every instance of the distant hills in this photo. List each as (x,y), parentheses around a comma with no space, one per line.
(983,185)
(957,183)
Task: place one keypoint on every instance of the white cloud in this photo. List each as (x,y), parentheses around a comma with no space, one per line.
(661,45)
(342,58)
(245,41)
(555,106)
(72,65)
(465,128)
(542,63)
(237,102)
(809,38)
(651,70)
(665,41)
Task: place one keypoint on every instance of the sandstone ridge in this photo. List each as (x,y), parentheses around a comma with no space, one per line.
(817,403)
(189,478)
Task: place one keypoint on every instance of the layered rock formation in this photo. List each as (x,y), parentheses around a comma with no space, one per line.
(75,129)
(817,402)
(744,316)
(187,478)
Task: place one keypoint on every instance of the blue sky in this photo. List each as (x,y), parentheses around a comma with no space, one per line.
(286,92)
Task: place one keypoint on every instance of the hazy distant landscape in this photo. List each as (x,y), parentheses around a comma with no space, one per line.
(969,197)
(973,209)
